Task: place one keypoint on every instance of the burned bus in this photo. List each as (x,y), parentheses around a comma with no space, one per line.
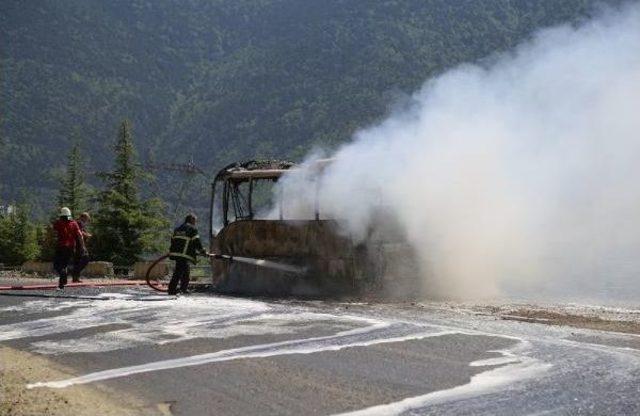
(259,253)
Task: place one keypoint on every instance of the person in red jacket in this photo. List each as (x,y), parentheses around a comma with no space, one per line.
(69,239)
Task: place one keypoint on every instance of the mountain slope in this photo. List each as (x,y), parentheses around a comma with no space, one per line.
(216,81)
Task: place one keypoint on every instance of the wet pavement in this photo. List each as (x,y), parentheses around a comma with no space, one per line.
(209,354)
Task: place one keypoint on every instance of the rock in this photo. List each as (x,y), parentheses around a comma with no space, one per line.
(98,268)
(93,269)
(141,267)
(42,267)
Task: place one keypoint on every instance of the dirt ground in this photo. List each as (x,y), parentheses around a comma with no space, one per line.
(554,318)
(598,318)
(18,368)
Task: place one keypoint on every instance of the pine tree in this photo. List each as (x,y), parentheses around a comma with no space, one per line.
(73,191)
(125,227)
(18,239)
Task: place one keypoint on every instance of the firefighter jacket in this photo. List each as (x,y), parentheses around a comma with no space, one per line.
(185,243)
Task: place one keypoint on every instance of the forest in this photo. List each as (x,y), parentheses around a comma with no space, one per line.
(205,83)
(211,82)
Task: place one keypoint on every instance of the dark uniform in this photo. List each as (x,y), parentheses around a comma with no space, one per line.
(81,258)
(185,245)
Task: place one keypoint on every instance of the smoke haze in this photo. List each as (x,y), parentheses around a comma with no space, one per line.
(519,176)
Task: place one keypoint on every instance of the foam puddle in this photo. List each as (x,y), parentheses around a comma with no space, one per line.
(519,369)
(220,318)
(382,332)
(184,319)
(507,358)
(173,319)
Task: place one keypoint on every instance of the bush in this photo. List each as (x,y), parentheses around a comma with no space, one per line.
(18,238)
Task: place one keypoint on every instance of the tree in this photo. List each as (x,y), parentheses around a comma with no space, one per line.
(73,191)
(125,227)
(18,239)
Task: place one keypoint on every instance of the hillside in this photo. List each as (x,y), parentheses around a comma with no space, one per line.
(216,81)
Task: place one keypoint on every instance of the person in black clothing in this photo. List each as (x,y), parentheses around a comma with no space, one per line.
(81,258)
(185,246)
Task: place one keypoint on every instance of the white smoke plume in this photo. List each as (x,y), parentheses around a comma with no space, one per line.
(518,175)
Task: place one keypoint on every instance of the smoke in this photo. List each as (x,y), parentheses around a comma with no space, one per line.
(517,176)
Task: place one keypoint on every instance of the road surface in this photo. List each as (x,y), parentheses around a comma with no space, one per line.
(213,355)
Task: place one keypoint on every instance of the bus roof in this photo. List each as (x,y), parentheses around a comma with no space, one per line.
(262,169)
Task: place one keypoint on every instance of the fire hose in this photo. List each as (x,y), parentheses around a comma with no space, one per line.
(82,284)
(154,284)
(288,268)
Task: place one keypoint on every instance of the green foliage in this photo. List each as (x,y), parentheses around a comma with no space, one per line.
(122,180)
(73,192)
(47,241)
(18,237)
(229,79)
(124,226)
(216,81)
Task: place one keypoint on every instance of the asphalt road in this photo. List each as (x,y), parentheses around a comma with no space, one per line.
(207,354)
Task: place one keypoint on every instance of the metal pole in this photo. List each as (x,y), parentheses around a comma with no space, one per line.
(211,205)
(225,203)
(281,202)
(250,199)
(317,199)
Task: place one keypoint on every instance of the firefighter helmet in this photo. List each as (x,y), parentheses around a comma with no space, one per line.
(65,212)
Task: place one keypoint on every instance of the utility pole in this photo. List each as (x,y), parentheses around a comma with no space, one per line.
(189,169)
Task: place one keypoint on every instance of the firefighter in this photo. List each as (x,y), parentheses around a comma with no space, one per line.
(69,240)
(185,246)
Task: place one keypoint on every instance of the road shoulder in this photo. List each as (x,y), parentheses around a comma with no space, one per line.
(18,368)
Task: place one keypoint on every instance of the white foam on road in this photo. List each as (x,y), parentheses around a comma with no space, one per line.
(184,319)
(521,368)
(194,328)
(39,306)
(145,322)
(140,323)
(497,390)
(376,333)
(506,358)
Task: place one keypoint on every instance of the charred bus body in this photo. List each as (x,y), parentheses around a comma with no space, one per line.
(274,255)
